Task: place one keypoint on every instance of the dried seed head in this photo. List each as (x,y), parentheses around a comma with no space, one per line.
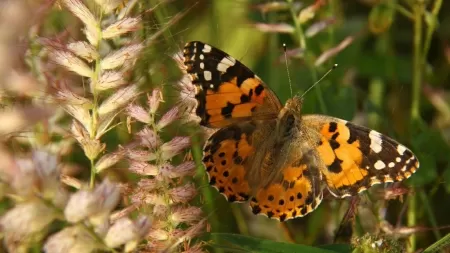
(118,100)
(84,204)
(71,62)
(16,119)
(125,230)
(159,235)
(149,138)
(26,219)
(169,117)
(187,215)
(92,36)
(147,184)
(184,169)
(161,212)
(138,113)
(183,194)
(174,147)
(275,28)
(78,131)
(82,116)
(154,100)
(84,50)
(144,198)
(108,160)
(143,168)
(118,58)
(307,14)
(109,80)
(92,148)
(84,14)
(108,5)
(121,27)
(141,155)
(71,240)
(68,97)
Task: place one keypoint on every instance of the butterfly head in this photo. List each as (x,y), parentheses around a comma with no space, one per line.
(294,105)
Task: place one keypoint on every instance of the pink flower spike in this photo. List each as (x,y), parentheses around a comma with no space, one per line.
(149,138)
(187,215)
(184,169)
(121,27)
(141,155)
(84,50)
(183,194)
(119,57)
(143,168)
(169,117)
(110,80)
(84,14)
(174,147)
(148,184)
(154,99)
(71,62)
(138,113)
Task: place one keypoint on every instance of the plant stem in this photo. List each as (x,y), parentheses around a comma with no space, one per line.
(418,9)
(308,60)
(431,28)
(417,61)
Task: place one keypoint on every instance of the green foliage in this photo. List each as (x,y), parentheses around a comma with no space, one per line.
(240,243)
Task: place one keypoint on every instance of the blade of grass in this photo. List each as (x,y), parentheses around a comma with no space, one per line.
(309,62)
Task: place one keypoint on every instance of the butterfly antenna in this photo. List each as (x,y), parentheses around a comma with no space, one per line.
(287,68)
(325,75)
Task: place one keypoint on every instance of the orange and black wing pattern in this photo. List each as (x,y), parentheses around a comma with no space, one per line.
(356,157)
(226,90)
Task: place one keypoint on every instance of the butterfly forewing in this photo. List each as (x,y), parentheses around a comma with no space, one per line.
(227,91)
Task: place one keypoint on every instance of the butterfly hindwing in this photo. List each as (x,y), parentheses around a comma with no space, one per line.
(226,90)
(357,157)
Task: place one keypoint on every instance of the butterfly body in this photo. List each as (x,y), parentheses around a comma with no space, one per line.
(273,156)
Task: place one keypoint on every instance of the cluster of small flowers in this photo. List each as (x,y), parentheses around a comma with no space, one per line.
(41,198)
(162,189)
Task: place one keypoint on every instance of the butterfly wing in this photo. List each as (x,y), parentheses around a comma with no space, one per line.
(226,90)
(356,157)
(253,161)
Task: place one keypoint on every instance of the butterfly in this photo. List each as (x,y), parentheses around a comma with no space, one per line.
(272,156)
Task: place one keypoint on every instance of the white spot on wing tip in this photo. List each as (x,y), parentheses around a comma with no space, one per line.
(375,141)
(401,149)
(206,48)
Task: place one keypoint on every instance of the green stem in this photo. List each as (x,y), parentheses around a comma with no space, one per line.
(412,221)
(308,60)
(417,61)
(92,178)
(431,28)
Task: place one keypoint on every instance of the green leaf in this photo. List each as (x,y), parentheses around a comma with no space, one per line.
(240,243)
(442,244)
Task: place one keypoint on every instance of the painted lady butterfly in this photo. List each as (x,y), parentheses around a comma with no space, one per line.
(274,157)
